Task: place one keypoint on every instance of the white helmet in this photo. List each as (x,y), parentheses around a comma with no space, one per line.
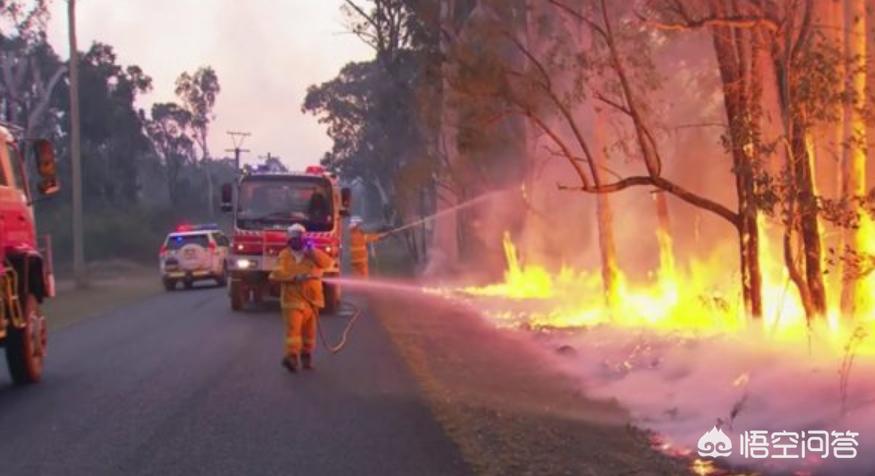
(296,230)
(355,221)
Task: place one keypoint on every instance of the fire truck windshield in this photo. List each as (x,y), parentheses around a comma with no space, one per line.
(277,202)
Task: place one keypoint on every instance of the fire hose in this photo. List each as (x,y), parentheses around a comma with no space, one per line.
(356,312)
(345,334)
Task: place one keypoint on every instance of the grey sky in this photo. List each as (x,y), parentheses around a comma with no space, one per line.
(266,53)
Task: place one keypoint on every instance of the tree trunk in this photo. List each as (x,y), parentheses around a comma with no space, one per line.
(858,240)
(605,220)
(800,155)
(808,217)
(738,58)
(667,273)
(447,227)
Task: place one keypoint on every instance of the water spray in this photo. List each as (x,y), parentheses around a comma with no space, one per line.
(356,312)
(446,211)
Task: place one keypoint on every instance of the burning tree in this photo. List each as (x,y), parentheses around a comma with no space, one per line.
(489,85)
(774,61)
(614,69)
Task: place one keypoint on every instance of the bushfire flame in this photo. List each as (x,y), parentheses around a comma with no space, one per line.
(699,297)
(686,329)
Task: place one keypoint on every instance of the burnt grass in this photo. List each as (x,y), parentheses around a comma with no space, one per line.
(503,403)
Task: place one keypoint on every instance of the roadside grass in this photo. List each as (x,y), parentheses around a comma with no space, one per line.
(112,285)
(500,400)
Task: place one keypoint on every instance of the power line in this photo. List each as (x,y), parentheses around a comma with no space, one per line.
(237,139)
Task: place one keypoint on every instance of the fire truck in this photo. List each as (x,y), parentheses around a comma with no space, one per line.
(264,203)
(26,277)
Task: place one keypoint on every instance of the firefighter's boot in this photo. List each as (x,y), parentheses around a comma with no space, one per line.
(291,363)
(307,361)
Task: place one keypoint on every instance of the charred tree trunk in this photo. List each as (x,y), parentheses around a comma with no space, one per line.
(793,267)
(809,225)
(803,209)
(736,57)
(803,213)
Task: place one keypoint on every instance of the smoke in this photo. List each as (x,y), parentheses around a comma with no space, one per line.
(266,53)
(682,385)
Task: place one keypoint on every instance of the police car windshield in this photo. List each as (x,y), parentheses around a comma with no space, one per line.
(281,201)
(175,242)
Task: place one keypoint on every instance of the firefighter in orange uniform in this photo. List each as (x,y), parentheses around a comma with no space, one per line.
(358,246)
(299,269)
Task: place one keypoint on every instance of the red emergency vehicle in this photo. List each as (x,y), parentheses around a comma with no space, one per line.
(26,277)
(264,204)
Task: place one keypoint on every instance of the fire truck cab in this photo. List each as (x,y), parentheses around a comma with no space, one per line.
(26,277)
(264,204)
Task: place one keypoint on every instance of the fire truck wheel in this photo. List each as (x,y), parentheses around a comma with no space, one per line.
(169,284)
(188,283)
(25,348)
(332,300)
(236,293)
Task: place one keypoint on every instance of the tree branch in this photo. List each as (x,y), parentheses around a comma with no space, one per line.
(731,21)
(668,186)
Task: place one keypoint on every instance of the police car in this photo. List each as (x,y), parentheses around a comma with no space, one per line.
(194,253)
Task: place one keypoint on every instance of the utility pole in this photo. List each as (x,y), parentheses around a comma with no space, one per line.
(79,270)
(237,139)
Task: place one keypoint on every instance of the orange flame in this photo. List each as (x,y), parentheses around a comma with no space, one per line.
(697,297)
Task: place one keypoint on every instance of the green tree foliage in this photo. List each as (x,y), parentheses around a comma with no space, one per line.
(373,122)
(380,113)
(198,93)
(114,144)
(169,131)
(29,69)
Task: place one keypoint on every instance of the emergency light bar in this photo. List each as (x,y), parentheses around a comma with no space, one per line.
(202,227)
(314,169)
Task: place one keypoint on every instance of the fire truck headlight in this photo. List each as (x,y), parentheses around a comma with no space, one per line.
(245,264)
(328,249)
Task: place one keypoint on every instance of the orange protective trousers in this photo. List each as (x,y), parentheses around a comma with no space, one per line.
(300,329)
(360,269)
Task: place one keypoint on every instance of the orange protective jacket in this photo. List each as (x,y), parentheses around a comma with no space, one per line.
(358,245)
(300,295)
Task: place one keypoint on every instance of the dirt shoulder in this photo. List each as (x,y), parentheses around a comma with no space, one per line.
(499,399)
(110,287)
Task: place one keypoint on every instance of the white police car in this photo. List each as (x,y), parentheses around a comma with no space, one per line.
(194,253)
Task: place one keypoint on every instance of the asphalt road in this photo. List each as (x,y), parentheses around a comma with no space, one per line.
(179,385)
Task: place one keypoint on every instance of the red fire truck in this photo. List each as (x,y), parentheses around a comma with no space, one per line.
(264,204)
(26,267)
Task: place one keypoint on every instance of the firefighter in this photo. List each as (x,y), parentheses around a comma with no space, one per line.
(358,246)
(299,270)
